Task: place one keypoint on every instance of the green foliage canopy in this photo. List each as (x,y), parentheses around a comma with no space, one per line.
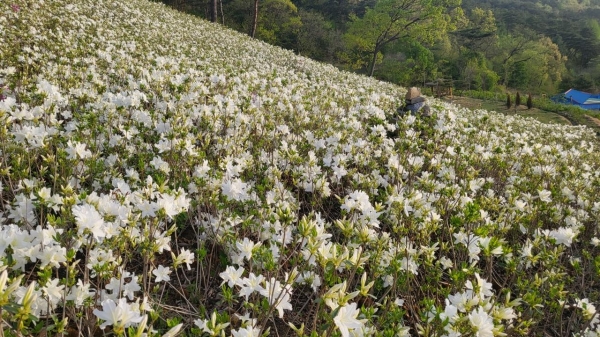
(391,20)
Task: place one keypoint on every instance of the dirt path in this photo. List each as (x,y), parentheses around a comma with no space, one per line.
(594,120)
(566,119)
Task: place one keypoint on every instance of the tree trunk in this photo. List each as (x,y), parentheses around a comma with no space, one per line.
(505,79)
(254,19)
(222,14)
(373,60)
(213,10)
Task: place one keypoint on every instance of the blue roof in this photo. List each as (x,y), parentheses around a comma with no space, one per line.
(582,98)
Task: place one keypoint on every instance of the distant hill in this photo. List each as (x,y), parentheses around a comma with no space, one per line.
(574,26)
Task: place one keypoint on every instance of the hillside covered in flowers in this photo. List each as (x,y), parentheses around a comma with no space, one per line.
(161,175)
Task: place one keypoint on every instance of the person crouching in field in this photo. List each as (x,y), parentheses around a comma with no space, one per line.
(414,104)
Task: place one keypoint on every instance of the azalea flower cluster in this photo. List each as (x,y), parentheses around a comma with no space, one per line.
(160,174)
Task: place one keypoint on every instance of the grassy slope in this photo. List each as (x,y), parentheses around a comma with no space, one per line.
(537,114)
(548,111)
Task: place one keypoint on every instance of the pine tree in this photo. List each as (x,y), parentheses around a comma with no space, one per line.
(517,100)
(508,102)
(529,102)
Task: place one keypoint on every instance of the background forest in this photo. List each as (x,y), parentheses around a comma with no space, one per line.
(544,46)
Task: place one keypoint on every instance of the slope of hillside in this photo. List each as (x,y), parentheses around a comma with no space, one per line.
(159,174)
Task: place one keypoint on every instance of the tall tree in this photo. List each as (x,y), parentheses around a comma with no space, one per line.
(273,21)
(478,34)
(280,23)
(407,62)
(392,20)
(318,38)
(213,10)
(336,11)
(510,55)
(254,19)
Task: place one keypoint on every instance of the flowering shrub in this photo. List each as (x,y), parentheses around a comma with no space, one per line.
(160,175)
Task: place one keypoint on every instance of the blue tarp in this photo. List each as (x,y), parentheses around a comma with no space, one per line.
(581,99)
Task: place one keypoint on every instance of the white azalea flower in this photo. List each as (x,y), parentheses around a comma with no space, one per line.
(482,323)
(119,314)
(161,273)
(346,319)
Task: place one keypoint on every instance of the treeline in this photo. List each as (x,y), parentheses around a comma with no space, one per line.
(541,46)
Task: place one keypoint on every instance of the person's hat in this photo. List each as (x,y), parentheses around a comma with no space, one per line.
(413,93)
